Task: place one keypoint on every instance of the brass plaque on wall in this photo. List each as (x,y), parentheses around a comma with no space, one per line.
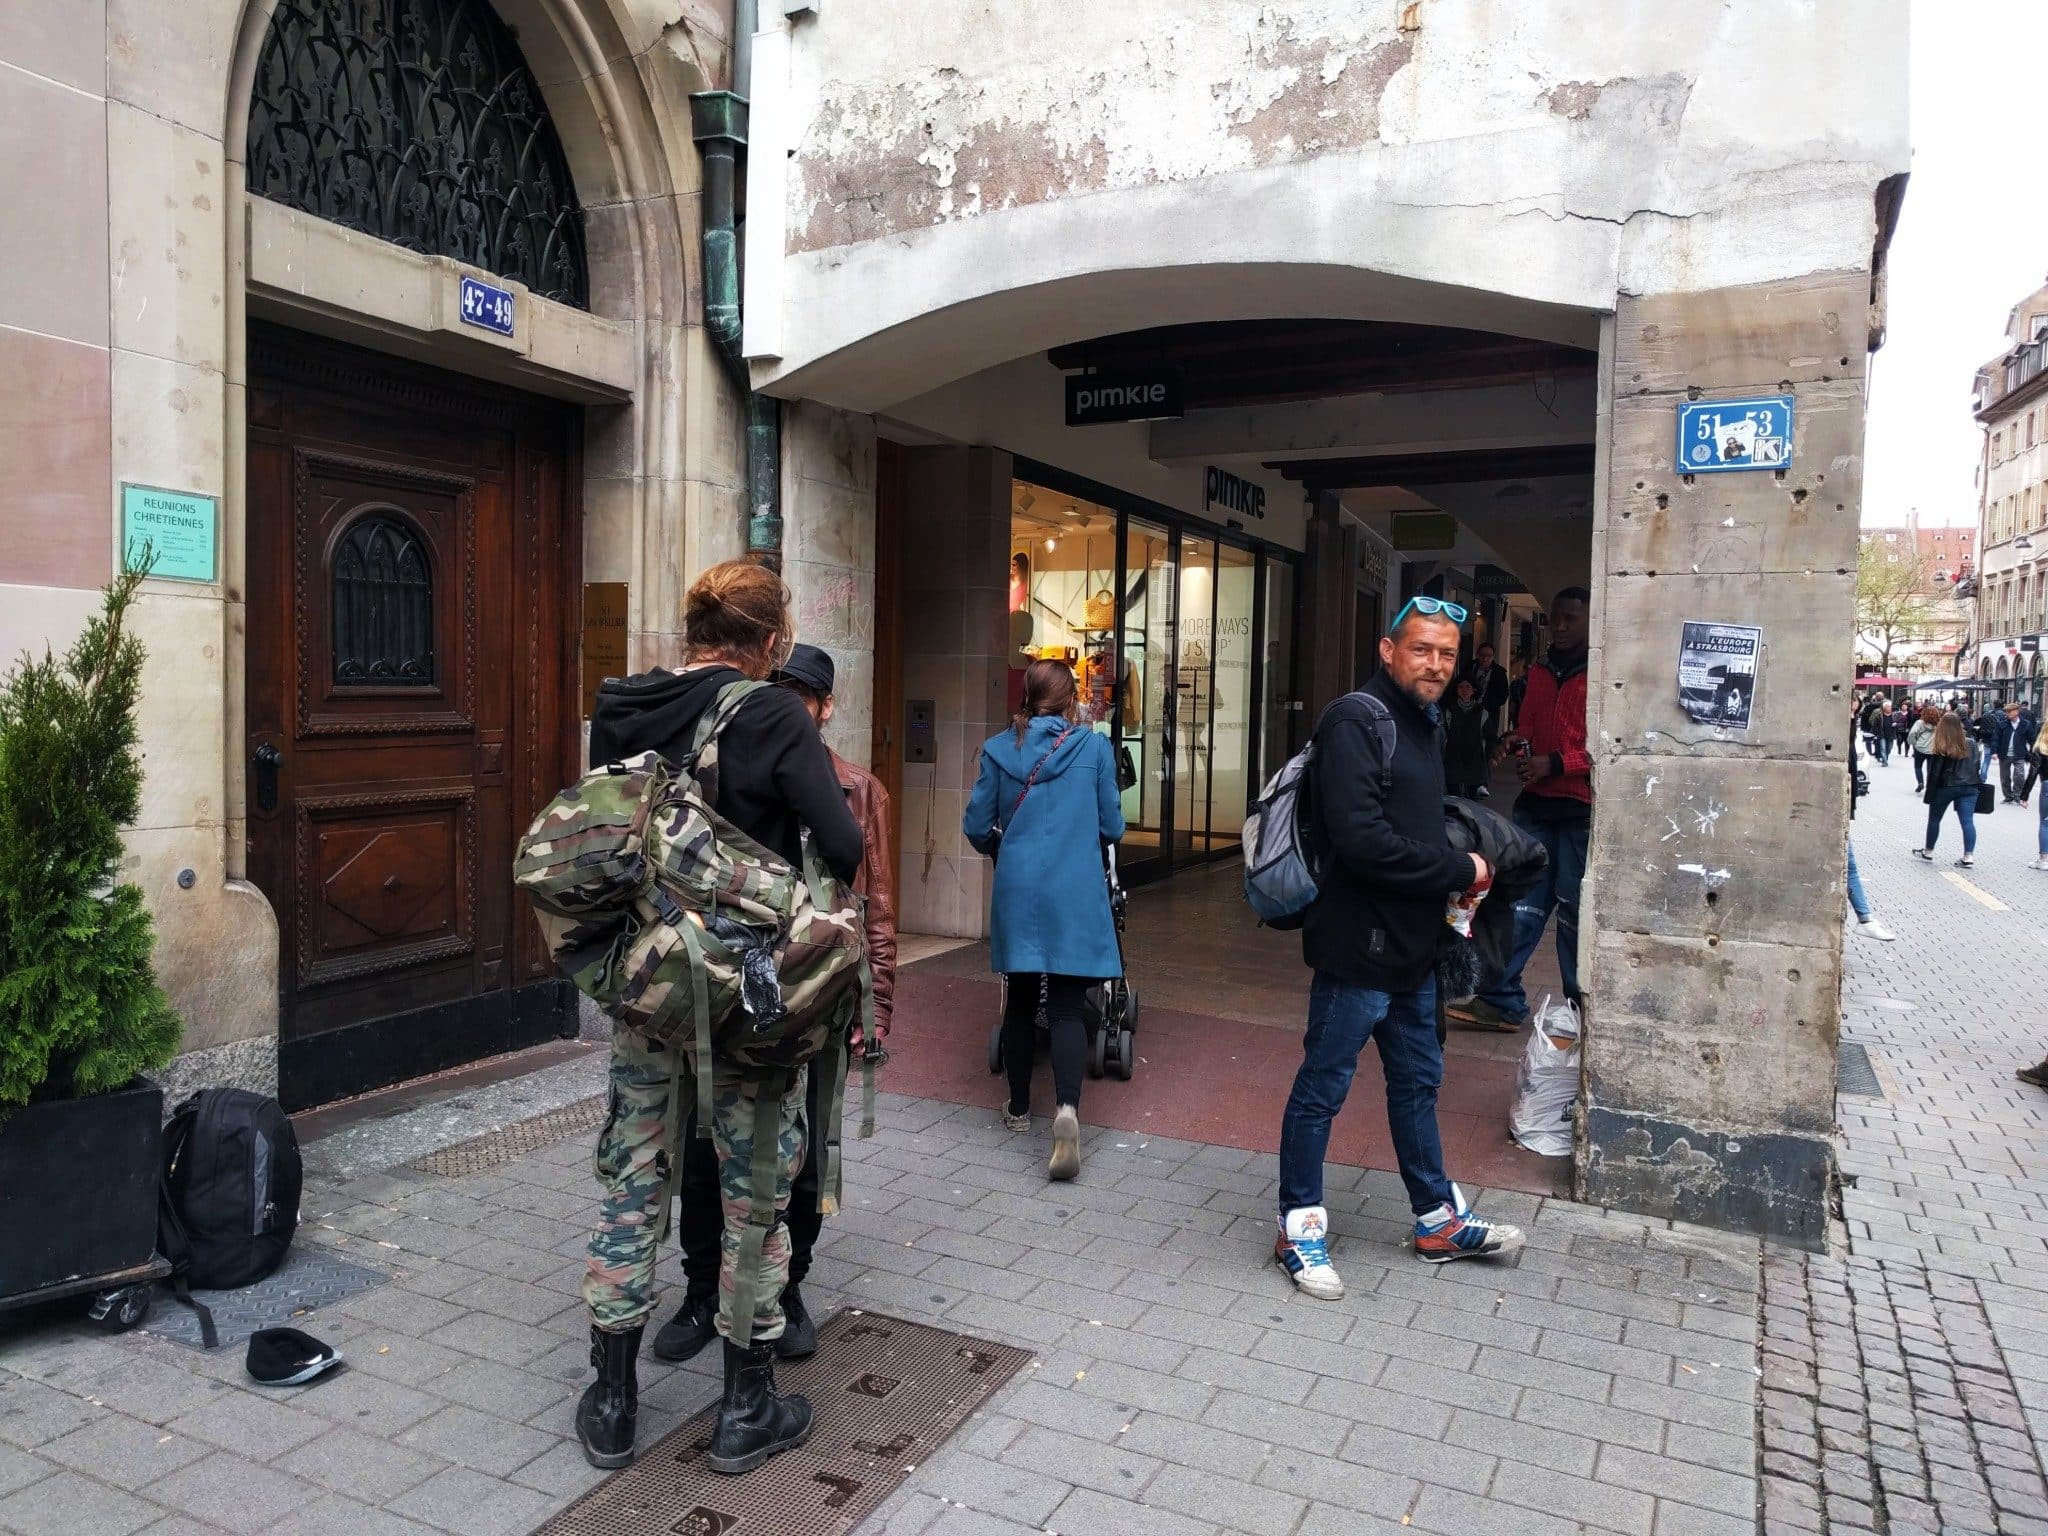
(604,637)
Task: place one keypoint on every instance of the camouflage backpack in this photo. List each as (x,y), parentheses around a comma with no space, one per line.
(681,926)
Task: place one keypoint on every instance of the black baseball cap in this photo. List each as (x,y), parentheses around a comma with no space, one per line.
(285,1357)
(808,667)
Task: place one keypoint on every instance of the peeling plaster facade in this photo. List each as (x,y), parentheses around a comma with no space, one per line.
(940,193)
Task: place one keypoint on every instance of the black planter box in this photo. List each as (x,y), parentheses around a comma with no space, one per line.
(78,1184)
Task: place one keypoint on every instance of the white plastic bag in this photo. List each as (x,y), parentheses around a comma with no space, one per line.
(1547,1082)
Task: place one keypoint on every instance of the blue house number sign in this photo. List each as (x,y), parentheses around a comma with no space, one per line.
(486,307)
(1719,435)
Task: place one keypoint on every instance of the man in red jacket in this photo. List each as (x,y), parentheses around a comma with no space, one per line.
(1555,807)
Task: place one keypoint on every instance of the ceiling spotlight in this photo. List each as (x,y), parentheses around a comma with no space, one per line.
(1052,543)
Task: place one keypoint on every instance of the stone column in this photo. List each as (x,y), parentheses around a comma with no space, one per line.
(1712,950)
(956,544)
(828,555)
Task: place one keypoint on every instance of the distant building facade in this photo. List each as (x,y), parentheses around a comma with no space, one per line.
(1946,558)
(2010,400)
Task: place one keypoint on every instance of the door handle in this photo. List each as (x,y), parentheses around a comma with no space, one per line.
(266,760)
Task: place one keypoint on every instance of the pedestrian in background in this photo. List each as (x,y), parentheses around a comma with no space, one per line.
(1044,804)
(1921,739)
(2014,739)
(1465,745)
(1873,723)
(1954,775)
(1985,729)
(1867,922)
(1902,724)
(1556,808)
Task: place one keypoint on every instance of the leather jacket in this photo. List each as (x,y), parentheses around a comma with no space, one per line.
(876,881)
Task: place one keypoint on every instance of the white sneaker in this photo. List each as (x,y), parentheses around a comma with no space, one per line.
(1065,1162)
(2039,864)
(1871,928)
(1303,1250)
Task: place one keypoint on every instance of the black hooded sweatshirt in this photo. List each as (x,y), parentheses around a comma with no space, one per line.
(774,778)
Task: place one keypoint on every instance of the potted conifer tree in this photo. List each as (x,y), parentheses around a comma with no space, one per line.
(81,1015)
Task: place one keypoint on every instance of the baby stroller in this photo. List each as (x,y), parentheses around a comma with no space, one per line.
(1110,1010)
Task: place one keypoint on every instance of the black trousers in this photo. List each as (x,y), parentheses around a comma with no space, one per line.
(700,1219)
(1063,997)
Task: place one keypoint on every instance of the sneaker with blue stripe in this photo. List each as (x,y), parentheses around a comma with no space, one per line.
(1454,1232)
(1303,1250)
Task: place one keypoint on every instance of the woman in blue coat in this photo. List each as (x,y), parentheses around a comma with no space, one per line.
(1047,797)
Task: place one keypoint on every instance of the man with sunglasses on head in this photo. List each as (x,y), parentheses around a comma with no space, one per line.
(1371,938)
(1555,807)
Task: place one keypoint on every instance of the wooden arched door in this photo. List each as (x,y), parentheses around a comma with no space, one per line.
(412,559)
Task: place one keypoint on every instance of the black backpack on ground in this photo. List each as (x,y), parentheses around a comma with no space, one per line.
(230,1200)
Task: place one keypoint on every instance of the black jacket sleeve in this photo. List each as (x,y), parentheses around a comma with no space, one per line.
(774,723)
(1376,855)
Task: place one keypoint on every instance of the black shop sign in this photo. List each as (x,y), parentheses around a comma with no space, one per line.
(1231,494)
(1094,399)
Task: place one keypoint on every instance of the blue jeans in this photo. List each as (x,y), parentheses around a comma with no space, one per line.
(1341,1018)
(1565,842)
(1858,902)
(2041,847)
(1965,802)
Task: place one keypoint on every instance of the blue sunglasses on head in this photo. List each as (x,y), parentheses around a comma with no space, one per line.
(1431,607)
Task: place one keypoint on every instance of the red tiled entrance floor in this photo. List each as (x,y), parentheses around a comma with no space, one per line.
(1222,1008)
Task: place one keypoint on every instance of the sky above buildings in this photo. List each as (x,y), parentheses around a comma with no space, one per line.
(1971,242)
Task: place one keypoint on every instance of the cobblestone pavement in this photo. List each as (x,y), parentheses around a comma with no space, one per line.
(1178,1386)
(1905,1383)
(1608,1384)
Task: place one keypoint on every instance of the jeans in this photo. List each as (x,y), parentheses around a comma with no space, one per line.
(2041,845)
(1341,1018)
(1965,802)
(1565,842)
(1984,756)
(1859,903)
(1919,770)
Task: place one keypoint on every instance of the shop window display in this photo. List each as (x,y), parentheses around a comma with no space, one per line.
(1164,654)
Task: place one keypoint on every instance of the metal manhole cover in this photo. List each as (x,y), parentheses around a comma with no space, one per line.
(498,1147)
(1855,1077)
(310,1278)
(887,1394)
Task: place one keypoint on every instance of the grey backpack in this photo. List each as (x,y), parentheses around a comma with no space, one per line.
(1281,865)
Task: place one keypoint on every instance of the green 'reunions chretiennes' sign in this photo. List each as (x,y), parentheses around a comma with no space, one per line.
(180,527)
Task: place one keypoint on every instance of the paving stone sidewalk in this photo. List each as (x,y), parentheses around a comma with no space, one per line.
(1905,1382)
(1178,1386)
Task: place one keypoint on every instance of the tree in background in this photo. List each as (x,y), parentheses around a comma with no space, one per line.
(80,1010)
(1893,602)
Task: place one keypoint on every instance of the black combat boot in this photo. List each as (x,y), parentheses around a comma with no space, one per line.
(684,1336)
(604,1419)
(753,1423)
(799,1339)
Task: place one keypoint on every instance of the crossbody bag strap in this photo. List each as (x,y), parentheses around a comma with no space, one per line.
(1036,769)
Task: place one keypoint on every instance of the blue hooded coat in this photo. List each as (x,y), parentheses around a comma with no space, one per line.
(1051,910)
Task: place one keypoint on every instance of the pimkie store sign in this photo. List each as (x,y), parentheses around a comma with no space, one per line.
(1095,399)
(1231,494)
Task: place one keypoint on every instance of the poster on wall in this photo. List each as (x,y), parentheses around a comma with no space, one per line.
(1717,668)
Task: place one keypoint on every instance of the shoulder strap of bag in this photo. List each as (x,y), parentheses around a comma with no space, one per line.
(1036,769)
(703,757)
(171,1234)
(1383,727)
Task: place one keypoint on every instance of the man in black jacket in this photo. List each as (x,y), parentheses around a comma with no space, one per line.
(2013,737)
(1371,937)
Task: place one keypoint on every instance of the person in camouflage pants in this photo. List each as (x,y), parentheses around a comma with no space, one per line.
(636,1151)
